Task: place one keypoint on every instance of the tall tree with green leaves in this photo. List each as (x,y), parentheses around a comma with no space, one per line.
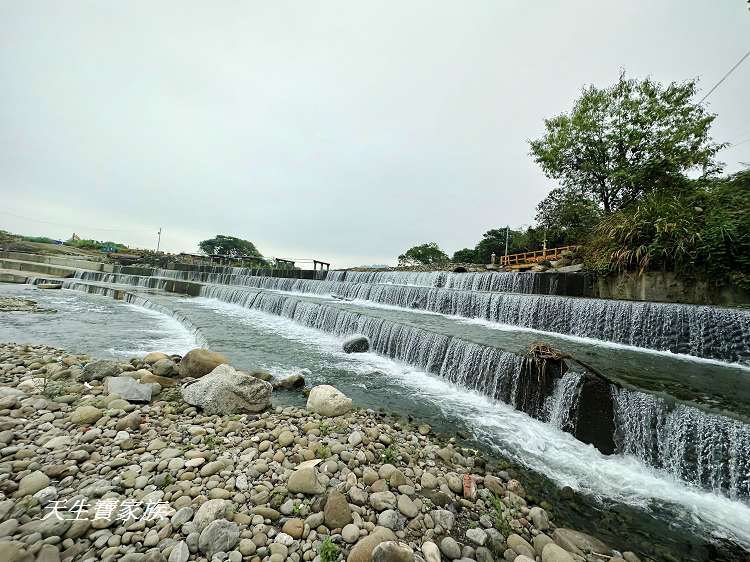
(622,142)
(229,246)
(424,254)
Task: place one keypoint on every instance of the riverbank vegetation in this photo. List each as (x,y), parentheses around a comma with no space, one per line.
(639,187)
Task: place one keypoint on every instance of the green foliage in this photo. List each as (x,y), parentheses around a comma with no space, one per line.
(498,516)
(620,143)
(467,255)
(229,246)
(389,456)
(704,229)
(329,552)
(567,217)
(209,441)
(424,254)
(88,244)
(39,239)
(323,451)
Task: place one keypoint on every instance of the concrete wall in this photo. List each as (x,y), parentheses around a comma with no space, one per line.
(667,287)
(76,263)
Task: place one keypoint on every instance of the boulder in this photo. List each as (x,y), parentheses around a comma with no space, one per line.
(200,362)
(164,368)
(577,542)
(128,388)
(209,511)
(227,391)
(554,553)
(337,512)
(154,356)
(326,400)
(218,536)
(305,481)
(84,415)
(32,483)
(99,370)
(362,551)
(152,378)
(290,382)
(356,344)
(392,551)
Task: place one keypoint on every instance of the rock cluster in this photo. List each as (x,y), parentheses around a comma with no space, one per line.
(287,484)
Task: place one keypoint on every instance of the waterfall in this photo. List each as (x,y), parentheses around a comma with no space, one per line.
(139,300)
(563,401)
(702,331)
(703,449)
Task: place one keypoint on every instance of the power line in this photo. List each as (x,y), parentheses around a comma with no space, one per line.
(739,62)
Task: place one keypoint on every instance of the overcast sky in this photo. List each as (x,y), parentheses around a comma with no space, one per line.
(345,131)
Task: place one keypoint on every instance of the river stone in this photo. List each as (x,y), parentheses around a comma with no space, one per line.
(99,370)
(227,391)
(519,545)
(350,533)
(577,542)
(356,344)
(218,536)
(164,368)
(292,381)
(294,527)
(326,400)
(200,362)
(443,518)
(539,518)
(392,551)
(337,512)
(149,378)
(84,415)
(362,551)
(383,500)
(406,506)
(128,388)
(154,356)
(209,511)
(431,552)
(305,481)
(555,553)
(450,548)
(32,483)
(180,552)
(477,536)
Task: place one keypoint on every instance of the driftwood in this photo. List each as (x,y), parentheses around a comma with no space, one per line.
(541,352)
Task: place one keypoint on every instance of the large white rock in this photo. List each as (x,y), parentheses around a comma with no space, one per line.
(326,400)
(228,391)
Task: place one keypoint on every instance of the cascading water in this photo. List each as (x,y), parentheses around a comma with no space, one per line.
(706,450)
(702,331)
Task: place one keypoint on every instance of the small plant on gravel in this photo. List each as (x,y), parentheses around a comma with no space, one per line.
(209,441)
(323,452)
(498,515)
(325,429)
(388,456)
(329,552)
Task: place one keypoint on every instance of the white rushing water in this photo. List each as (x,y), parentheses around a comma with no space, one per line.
(535,444)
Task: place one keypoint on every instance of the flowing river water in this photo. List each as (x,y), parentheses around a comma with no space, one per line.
(678,479)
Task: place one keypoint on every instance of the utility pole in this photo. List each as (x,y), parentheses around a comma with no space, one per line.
(507,234)
(158,241)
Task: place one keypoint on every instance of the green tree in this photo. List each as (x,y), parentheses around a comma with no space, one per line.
(567,217)
(229,246)
(466,255)
(622,142)
(424,254)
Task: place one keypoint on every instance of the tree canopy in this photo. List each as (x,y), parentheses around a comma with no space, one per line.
(424,254)
(622,142)
(229,246)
